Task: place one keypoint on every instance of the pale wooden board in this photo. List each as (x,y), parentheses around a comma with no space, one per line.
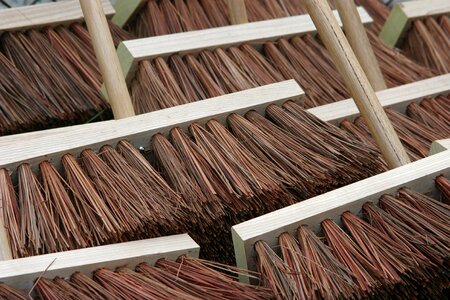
(418,175)
(132,51)
(125,10)
(439,146)
(51,144)
(48,14)
(21,273)
(396,98)
(403,14)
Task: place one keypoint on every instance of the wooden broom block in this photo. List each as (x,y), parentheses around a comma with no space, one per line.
(418,175)
(357,37)
(238,11)
(439,146)
(125,10)
(54,143)
(21,273)
(105,52)
(33,147)
(133,51)
(356,81)
(49,14)
(403,14)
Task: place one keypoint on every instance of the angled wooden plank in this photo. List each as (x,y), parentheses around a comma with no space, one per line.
(418,175)
(51,144)
(439,146)
(21,273)
(48,14)
(403,14)
(396,98)
(125,10)
(133,51)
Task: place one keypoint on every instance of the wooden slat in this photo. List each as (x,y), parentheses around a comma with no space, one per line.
(403,14)
(439,146)
(21,273)
(418,175)
(49,14)
(396,98)
(51,144)
(133,51)
(125,10)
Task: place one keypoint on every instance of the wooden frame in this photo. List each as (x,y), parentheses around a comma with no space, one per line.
(125,10)
(49,14)
(51,144)
(21,273)
(133,51)
(418,175)
(439,146)
(403,14)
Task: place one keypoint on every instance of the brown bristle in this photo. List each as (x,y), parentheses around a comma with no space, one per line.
(91,288)
(427,43)
(39,231)
(10,293)
(125,202)
(93,209)
(444,186)
(55,192)
(350,255)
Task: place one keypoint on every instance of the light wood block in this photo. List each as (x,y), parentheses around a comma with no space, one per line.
(21,273)
(125,10)
(403,14)
(396,98)
(52,144)
(49,14)
(418,175)
(439,146)
(132,51)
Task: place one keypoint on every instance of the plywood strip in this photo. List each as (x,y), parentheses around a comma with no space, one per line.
(125,10)
(418,175)
(133,51)
(49,14)
(51,144)
(21,273)
(403,14)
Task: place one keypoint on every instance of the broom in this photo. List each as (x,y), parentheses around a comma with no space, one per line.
(58,76)
(396,249)
(210,181)
(186,278)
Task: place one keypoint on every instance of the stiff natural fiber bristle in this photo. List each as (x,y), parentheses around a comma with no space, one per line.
(397,249)
(428,43)
(7,292)
(444,186)
(50,77)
